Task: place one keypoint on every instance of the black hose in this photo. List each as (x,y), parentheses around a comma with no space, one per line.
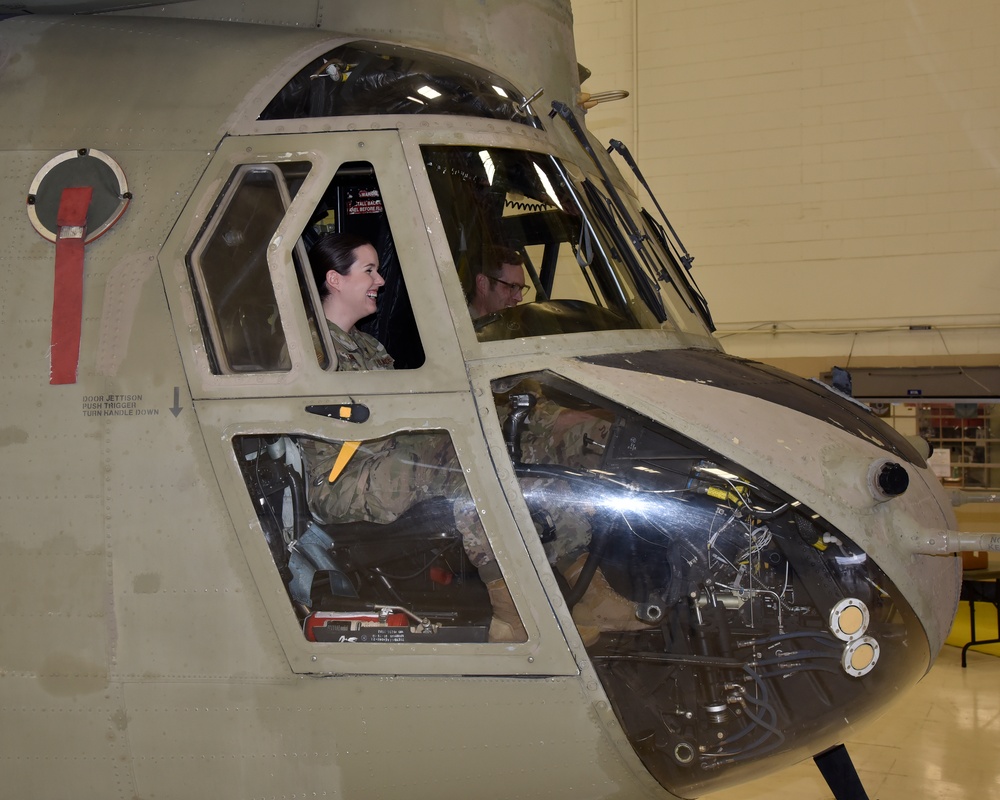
(300,508)
(598,546)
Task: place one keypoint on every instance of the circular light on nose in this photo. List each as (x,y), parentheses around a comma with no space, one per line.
(860,656)
(849,619)
(887,479)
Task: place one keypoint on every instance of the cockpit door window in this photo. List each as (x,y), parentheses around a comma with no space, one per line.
(378,540)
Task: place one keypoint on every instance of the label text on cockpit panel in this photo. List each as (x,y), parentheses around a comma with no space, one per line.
(116,405)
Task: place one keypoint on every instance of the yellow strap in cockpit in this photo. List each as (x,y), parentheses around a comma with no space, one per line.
(347,450)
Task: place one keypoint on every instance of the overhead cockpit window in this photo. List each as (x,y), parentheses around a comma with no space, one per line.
(236,302)
(731,627)
(371,78)
(378,540)
(534,256)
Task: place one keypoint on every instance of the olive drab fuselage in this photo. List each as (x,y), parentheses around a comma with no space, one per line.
(231,569)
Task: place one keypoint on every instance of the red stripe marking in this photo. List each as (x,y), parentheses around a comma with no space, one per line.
(67,290)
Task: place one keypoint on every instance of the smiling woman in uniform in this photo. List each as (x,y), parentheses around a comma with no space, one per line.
(345,268)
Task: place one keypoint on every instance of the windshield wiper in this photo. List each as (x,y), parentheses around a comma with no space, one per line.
(645,286)
(676,251)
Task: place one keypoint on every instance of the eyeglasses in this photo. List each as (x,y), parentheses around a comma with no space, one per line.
(516,288)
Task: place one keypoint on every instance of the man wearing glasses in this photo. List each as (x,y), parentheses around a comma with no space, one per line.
(500,285)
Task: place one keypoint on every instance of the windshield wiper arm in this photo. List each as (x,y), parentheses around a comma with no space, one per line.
(680,250)
(622,150)
(651,294)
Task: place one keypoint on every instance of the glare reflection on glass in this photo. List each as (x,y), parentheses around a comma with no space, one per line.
(487,160)
(549,190)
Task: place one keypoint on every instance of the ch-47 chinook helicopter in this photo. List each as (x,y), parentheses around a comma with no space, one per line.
(231,570)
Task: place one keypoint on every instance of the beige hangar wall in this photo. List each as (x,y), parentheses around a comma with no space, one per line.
(833,166)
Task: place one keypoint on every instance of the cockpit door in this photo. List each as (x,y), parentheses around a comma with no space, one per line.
(271,404)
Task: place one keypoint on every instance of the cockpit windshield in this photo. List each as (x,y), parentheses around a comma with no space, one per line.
(541,250)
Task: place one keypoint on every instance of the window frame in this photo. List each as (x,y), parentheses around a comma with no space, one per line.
(443,368)
(216,342)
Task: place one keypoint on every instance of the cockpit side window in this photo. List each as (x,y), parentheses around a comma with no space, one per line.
(377,540)
(237,308)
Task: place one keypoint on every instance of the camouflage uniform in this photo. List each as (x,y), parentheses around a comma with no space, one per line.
(564,436)
(357,350)
(557,435)
(385,477)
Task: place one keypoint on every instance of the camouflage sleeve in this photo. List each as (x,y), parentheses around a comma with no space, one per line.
(571,438)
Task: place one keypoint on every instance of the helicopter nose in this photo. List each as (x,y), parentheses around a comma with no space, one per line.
(735,614)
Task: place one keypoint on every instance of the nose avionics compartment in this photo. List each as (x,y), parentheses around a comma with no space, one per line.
(733,629)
